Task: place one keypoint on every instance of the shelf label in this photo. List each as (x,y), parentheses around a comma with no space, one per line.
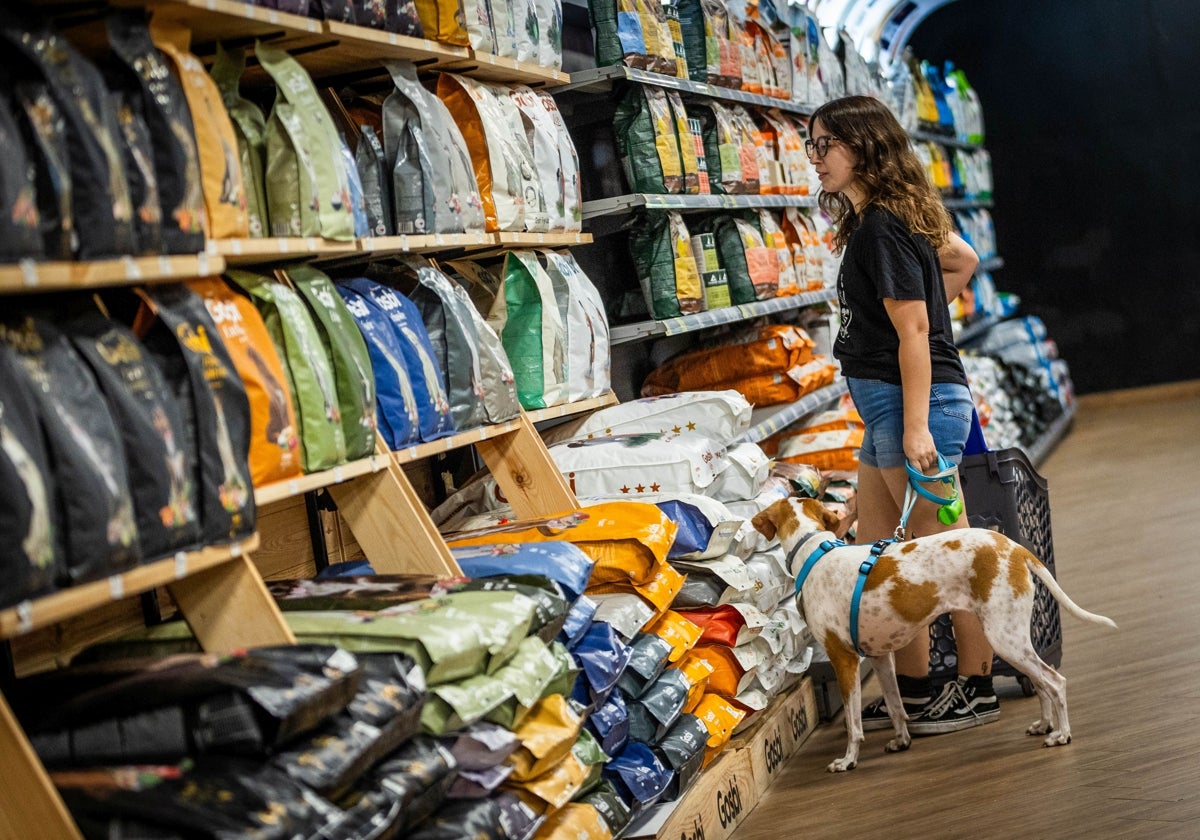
(235,550)
(29,272)
(181,565)
(404,242)
(293,487)
(116,587)
(25,616)
(338,475)
(133,271)
(164,266)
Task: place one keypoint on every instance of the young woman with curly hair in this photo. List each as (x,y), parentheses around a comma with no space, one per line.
(901,263)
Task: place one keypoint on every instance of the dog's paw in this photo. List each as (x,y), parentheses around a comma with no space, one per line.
(1057,739)
(898,744)
(841,765)
(1040,727)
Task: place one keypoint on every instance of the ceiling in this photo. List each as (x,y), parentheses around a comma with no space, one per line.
(880,28)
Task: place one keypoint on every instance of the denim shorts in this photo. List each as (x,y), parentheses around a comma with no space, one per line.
(881,406)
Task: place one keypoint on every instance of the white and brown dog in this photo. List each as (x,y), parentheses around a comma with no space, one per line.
(911,584)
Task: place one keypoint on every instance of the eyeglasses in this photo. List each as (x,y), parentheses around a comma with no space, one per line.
(820,145)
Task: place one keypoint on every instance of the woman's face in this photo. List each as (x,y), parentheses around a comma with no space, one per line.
(836,167)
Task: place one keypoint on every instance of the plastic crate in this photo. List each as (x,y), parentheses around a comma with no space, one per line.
(1003,492)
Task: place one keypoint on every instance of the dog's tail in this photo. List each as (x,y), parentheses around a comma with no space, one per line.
(1043,574)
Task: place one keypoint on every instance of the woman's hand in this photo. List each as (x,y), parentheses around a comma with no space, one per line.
(920,450)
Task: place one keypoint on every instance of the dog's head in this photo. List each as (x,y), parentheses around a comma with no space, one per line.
(792,518)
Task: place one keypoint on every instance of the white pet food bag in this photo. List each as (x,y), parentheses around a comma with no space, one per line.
(723,416)
(569,157)
(537,214)
(629,465)
(480,32)
(580,342)
(745,476)
(542,137)
(563,269)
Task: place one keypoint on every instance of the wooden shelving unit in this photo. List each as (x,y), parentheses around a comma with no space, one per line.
(219,590)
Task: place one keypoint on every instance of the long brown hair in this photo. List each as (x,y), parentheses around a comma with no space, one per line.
(888,170)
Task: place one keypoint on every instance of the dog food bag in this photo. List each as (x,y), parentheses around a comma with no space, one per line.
(527,29)
(773,348)
(371,161)
(177,331)
(647,141)
(747,472)
(655,711)
(537,174)
(662,255)
(43,153)
(433,407)
(550,25)
(559,561)
(151,429)
(155,96)
(638,775)
(547,735)
(496,156)
(443,20)
(250,129)
(580,341)
(30,529)
(632,464)
(692,38)
(424,143)
(452,334)
(647,661)
(775,241)
(396,402)
(362,225)
(526,676)
(275,452)
(216,141)
(314,140)
(138,153)
(94,504)
(477,19)
(500,396)
(626,613)
(553,167)
(453,706)
(409,786)
(762,262)
(525,314)
(310,377)
(833,450)
(572,190)
(686,144)
(100,202)
(592,335)
(723,416)
(632,32)
(347,350)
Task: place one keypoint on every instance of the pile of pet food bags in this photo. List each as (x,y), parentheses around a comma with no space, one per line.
(147,153)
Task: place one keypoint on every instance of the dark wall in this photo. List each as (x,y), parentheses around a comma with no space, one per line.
(1092,115)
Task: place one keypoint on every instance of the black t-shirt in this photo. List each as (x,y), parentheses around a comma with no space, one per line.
(883,260)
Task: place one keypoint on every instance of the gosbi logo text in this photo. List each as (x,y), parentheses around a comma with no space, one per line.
(799,721)
(729,803)
(697,832)
(774,752)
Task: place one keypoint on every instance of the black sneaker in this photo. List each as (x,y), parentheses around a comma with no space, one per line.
(914,691)
(963,703)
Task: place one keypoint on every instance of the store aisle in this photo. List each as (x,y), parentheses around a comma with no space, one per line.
(1126,519)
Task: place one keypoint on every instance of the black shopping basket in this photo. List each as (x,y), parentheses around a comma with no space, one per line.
(1003,492)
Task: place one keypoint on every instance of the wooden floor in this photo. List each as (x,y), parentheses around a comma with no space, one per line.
(1125,497)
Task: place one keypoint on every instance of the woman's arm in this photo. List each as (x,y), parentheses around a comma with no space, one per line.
(911,321)
(959,262)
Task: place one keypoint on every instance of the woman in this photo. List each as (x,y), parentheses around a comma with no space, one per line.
(901,263)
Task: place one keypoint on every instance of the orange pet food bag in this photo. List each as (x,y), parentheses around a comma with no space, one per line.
(274,438)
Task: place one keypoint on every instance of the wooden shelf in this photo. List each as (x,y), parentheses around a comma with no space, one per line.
(68,603)
(266,249)
(327,49)
(280,490)
(31,276)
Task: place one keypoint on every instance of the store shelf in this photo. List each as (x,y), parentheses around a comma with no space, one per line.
(642,330)
(600,80)
(966,203)
(622,204)
(328,49)
(280,490)
(557,412)
(765,422)
(66,604)
(1043,446)
(266,249)
(542,240)
(32,276)
(945,140)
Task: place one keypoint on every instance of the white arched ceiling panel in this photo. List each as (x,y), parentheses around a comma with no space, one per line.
(879,28)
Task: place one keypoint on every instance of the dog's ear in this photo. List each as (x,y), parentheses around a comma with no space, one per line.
(763,523)
(829,519)
(821,514)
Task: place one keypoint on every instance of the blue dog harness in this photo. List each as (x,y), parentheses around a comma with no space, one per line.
(864,569)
